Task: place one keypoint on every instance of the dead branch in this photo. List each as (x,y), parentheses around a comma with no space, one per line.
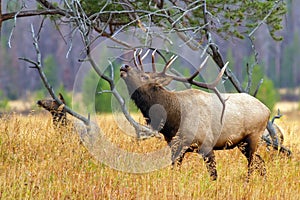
(278,116)
(249,73)
(258,86)
(1,19)
(30,13)
(215,54)
(142,132)
(274,141)
(38,65)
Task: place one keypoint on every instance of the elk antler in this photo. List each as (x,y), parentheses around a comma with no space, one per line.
(136,56)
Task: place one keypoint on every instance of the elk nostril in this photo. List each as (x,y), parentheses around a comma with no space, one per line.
(124,68)
(39,103)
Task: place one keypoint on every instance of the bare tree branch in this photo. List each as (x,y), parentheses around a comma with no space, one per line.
(29,13)
(274,142)
(249,73)
(258,86)
(278,116)
(142,132)
(38,65)
(216,54)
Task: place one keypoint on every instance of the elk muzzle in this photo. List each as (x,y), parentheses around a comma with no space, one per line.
(123,70)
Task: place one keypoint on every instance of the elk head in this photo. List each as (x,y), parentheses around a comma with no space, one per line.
(135,78)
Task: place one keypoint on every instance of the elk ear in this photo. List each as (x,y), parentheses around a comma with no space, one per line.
(164,81)
(60,96)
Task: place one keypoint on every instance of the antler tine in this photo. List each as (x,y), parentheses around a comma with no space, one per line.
(216,91)
(219,77)
(210,85)
(199,69)
(153,61)
(145,55)
(134,58)
(140,60)
(169,63)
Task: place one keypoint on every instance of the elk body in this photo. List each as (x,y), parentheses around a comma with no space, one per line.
(190,119)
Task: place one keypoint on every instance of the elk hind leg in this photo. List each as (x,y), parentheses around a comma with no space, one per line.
(248,147)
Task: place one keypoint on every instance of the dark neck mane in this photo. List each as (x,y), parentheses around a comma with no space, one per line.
(167,120)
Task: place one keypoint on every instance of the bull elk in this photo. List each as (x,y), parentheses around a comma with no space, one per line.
(190,119)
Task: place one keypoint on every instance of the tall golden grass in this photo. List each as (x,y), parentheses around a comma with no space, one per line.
(40,162)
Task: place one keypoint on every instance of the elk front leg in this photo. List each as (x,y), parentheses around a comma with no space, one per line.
(210,161)
(178,150)
(259,164)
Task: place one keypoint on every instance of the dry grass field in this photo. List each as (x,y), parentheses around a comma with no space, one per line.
(39,162)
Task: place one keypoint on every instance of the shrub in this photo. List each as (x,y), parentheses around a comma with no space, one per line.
(268,93)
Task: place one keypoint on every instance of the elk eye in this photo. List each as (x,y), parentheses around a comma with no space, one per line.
(145,77)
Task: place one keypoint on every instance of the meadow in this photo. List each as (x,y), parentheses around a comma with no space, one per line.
(40,162)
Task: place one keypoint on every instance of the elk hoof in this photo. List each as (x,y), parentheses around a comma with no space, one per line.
(213,175)
(176,164)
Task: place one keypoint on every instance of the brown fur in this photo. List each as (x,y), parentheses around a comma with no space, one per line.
(190,119)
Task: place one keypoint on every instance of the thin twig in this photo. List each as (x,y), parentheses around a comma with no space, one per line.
(14,26)
(278,116)
(258,86)
(249,73)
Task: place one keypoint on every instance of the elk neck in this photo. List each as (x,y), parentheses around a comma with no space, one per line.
(151,94)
